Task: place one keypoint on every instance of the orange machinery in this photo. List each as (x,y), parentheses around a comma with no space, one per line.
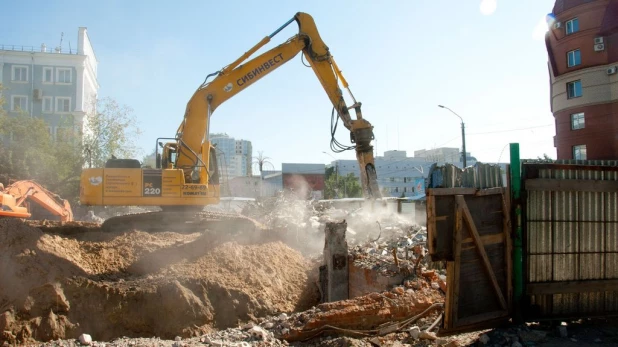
(14,201)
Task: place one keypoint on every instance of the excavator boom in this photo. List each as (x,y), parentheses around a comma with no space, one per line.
(15,196)
(235,77)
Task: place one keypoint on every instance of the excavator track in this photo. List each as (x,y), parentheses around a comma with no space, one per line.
(183,222)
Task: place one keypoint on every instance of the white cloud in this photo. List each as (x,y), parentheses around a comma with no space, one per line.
(540,29)
(488,7)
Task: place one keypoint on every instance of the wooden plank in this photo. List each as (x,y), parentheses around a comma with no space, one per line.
(431,224)
(451,191)
(490,191)
(562,287)
(481,249)
(487,239)
(482,317)
(560,185)
(457,255)
(448,305)
(453,269)
(508,259)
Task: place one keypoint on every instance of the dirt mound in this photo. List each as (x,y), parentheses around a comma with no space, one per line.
(139,284)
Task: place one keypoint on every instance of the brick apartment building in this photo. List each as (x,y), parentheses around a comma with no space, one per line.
(582,47)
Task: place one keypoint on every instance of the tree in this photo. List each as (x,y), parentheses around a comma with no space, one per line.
(261,160)
(342,186)
(110,129)
(28,150)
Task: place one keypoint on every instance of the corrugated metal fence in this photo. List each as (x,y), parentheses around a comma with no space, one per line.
(479,176)
(570,238)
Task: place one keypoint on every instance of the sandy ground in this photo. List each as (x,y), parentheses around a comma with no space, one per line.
(138,284)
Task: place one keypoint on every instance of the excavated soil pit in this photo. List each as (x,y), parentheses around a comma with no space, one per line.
(81,280)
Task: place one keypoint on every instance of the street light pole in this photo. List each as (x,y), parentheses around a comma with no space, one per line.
(336,173)
(463,134)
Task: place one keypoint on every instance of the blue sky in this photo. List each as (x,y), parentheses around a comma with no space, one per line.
(486,60)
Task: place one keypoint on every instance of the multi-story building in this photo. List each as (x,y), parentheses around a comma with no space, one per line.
(443,154)
(397,173)
(234,156)
(582,47)
(304,180)
(58,85)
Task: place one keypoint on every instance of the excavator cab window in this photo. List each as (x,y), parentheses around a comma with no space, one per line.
(213,168)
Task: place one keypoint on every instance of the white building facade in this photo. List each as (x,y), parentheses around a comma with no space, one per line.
(57,84)
(234,156)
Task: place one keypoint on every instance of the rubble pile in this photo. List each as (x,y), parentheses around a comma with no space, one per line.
(139,284)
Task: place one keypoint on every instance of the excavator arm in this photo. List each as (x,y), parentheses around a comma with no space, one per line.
(21,191)
(236,77)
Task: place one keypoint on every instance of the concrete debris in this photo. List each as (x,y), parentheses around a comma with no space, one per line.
(484,339)
(85,339)
(415,332)
(428,335)
(562,331)
(258,333)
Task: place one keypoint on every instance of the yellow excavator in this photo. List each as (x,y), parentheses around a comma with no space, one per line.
(186,176)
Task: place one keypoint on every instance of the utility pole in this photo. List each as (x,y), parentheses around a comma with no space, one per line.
(463,135)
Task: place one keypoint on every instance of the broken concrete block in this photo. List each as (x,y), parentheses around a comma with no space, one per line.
(428,335)
(267,325)
(282,316)
(414,332)
(336,260)
(258,332)
(85,339)
(6,320)
(562,331)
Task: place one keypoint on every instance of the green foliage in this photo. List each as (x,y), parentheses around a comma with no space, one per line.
(342,187)
(110,130)
(29,152)
(330,171)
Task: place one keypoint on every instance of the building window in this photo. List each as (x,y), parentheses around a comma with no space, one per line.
(572,26)
(63,75)
(48,75)
(48,104)
(63,105)
(19,73)
(574,89)
(577,121)
(574,58)
(579,152)
(19,103)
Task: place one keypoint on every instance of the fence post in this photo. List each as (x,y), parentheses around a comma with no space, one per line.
(517,233)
